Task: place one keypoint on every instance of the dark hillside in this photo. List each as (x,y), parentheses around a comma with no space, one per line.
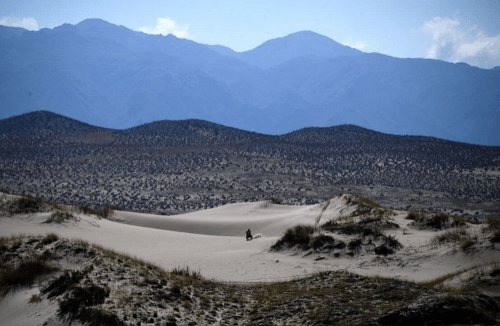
(40,121)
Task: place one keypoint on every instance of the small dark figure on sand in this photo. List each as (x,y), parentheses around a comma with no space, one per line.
(249,235)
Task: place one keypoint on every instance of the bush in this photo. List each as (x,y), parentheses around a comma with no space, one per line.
(384,250)
(393,242)
(276,201)
(49,238)
(61,284)
(59,217)
(79,305)
(321,241)
(353,228)
(24,275)
(186,271)
(25,205)
(496,237)
(415,216)
(299,235)
(355,244)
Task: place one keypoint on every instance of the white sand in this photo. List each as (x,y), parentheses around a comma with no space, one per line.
(213,241)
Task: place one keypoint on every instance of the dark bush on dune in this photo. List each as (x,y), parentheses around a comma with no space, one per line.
(26,205)
(62,283)
(321,241)
(24,274)
(353,228)
(299,235)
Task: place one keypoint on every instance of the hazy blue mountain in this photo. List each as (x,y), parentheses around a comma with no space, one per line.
(110,76)
(497,68)
(10,32)
(296,45)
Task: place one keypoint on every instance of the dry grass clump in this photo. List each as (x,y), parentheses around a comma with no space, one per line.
(24,273)
(493,226)
(458,237)
(299,235)
(25,205)
(353,228)
(415,215)
(103,212)
(186,271)
(60,217)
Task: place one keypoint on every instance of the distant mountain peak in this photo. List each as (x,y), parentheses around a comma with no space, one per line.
(497,68)
(295,45)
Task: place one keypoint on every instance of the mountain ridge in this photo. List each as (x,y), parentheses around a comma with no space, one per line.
(41,121)
(96,71)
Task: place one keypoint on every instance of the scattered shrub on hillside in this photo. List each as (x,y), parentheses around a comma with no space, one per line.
(26,205)
(449,236)
(322,240)
(384,250)
(393,242)
(495,238)
(62,283)
(77,305)
(24,274)
(49,238)
(493,226)
(103,212)
(437,221)
(355,245)
(353,228)
(299,235)
(414,215)
(186,271)
(276,201)
(59,217)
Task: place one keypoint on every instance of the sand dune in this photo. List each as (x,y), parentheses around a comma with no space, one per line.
(213,241)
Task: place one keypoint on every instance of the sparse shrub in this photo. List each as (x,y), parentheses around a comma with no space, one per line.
(105,212)
(449,236)
(384,250)
(437,221)
(495,238)
(25,205)
(186,271)
(24,274)
(415,216)
(49,238)
(321,241)
(62,283)
(35,298)
(353,228)
(276,201)
(458,223)
(355,245)
(299,235)
(393,242)
(73,303)
(467,242)
(59,217)
(493,226)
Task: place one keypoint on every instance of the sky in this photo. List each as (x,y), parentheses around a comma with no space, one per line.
(450,30)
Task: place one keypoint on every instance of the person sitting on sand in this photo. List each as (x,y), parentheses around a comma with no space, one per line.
(249,235)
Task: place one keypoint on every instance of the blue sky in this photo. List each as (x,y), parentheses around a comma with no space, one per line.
(466,31)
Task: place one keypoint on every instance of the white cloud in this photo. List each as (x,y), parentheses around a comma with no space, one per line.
(360,45)
(452,42)
(24,22)
(165,26)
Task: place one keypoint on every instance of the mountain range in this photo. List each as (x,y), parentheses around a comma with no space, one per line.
(113,77)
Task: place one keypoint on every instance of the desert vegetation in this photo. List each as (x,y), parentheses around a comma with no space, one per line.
(174,167)
(116,289)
